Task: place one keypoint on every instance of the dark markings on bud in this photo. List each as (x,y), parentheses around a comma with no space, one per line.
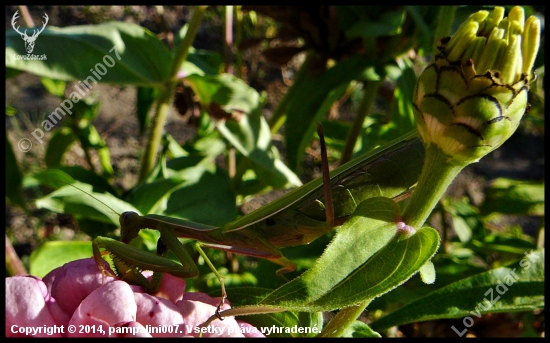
(486,97)
(524,88)
(419,111)
(451,69)
(527,108)
(525,78)
(478,146)
(440,56)
(504,86)
(442,99)
(496,120)
(469,129)
(456,63)
(489,76)
(444,41)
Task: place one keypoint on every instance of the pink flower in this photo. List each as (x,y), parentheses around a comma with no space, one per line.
(76,300)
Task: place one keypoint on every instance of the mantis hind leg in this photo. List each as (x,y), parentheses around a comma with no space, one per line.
(218,276)
(288,266)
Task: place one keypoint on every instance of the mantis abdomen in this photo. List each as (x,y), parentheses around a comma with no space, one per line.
(391,173)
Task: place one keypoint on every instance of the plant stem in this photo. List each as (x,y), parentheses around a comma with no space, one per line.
(238,39)
(187,41)
(344,319)
(369,95)
(228,43)
(14,266)
(165,95)
(437,174)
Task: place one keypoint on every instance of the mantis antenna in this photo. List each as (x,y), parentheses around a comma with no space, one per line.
(83,191)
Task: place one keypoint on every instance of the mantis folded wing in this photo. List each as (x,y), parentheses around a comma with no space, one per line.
(297,218)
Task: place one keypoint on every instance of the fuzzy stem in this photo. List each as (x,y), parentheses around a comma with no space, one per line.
(437,175)
(343,320)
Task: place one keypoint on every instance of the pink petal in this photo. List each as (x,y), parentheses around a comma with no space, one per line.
(60,317)
(26,308)
(106,306)
(205,298)
(160,314)
(171,288)
(195,313)
(75,281)
(50,278)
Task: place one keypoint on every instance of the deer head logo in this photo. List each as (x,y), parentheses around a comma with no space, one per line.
(29,41)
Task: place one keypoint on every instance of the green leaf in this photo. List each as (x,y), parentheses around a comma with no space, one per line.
(307,95)
(252,138)
(205,196)
(360,330)
(10,111)
(60,141)
(146,197)
(520,288)
(105,208)
(202,62)
(372,260)
(125,53)
(504,243)
(282,324)
(449,269)
(389,23)
(54,87)
(427,273)
(90,138)
(84,175)
(514,197)
(225,91)
(174,149)
(54,178)
(462,229)
(51,255)
(224,96)
(402,115)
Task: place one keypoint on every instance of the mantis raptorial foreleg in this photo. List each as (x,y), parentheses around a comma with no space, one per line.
(129,262)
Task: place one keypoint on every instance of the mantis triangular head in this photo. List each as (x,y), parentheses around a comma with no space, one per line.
(129,226)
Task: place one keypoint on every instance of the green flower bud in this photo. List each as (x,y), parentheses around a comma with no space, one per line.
(471,99)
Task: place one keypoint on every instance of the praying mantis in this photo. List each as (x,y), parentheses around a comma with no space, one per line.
(297,218)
